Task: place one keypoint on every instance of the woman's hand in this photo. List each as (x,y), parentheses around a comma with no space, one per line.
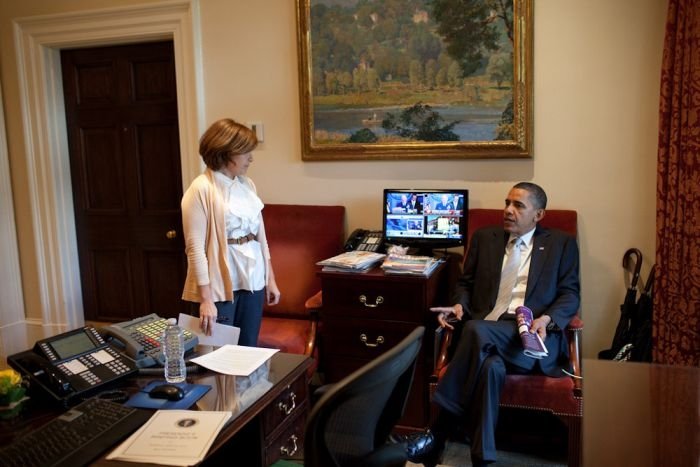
(273,293)
(448,314)
(207,316)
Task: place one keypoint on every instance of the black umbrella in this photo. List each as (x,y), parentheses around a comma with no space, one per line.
(627,309)
(641,323)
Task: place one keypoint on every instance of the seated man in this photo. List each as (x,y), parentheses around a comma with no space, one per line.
(506,267)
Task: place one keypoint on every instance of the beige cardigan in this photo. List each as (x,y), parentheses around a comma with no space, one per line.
(204,226)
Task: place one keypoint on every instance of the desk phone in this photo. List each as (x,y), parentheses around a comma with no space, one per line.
(140,339)
(365,240)
(73,363)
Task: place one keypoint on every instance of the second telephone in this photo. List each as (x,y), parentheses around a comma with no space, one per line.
(365,240)
(140,339)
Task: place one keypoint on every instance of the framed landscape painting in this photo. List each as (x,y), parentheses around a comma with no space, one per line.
(402,79)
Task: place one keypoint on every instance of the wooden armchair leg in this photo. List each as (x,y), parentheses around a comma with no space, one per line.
(574,448)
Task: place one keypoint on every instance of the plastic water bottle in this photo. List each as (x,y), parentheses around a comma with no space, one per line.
(174,351)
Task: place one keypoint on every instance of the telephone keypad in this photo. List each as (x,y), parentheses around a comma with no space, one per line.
(149,334)
(91,378)
(372,242)
(117,366)
(88,361)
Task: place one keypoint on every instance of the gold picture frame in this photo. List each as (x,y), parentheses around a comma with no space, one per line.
(363,97)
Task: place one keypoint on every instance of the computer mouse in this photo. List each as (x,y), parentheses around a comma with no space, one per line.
(167,391)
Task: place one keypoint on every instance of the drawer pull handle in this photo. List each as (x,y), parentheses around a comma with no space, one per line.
(379,300)
(286,409)
(285,451)
(377,342)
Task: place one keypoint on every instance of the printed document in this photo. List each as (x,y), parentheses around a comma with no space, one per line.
(173,437)
(235,359)
(221,334)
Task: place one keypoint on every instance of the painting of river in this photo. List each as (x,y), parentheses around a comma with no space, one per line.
(475,123)
(402,79)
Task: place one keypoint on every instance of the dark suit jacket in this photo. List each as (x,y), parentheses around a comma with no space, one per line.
(553,285)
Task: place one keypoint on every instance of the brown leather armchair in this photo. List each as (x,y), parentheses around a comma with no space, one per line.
(562,397)
(299,236)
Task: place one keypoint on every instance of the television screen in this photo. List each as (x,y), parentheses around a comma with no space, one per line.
(425,219)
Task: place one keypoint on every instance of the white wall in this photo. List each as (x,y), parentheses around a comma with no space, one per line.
(596,87)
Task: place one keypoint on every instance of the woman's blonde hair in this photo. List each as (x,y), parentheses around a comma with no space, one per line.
(224,139)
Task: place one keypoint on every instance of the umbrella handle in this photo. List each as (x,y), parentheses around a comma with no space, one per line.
(637,265)
(649,286)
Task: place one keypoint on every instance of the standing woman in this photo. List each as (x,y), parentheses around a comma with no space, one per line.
(229,272)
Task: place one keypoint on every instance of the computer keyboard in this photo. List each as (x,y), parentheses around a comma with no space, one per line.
(75,438)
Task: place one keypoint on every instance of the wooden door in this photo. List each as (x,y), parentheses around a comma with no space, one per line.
(121,112)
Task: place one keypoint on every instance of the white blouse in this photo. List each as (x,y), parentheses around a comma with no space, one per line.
(243,216)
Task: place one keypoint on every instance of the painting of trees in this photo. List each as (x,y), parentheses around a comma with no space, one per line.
(447,64)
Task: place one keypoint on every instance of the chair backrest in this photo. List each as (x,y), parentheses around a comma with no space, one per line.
(356,416)
(562,219)
(299,236)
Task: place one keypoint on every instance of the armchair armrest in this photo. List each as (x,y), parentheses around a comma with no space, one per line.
(574,330)
(314,302)
(443,340)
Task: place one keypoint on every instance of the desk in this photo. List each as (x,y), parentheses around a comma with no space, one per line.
(640,414)
(262,426)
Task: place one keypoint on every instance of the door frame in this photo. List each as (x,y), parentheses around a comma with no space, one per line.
(38,41)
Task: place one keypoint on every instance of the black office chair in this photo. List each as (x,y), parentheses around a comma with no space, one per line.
(351,422)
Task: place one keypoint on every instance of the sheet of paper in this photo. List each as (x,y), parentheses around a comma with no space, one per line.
(221,334)
(235,359)
(173,437)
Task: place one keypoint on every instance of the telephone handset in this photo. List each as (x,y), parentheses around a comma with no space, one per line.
(365,240)
(73,363)
(140,339)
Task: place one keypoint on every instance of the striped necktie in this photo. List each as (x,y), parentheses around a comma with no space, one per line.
(509,275)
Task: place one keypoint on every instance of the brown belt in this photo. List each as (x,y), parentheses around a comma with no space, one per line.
(242,240)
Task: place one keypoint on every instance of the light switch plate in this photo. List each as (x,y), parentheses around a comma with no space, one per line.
(259,130)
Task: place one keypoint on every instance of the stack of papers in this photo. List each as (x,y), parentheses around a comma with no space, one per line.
(352,261)
(408,264)
(235,360)
(172,437)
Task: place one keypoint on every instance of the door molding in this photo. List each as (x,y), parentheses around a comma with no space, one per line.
(38,41)
(12,333)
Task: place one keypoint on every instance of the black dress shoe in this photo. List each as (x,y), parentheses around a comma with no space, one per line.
(477,462)
(424,448)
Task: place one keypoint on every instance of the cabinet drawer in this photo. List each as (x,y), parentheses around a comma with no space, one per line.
(289,443)
(371,299)
(362,339)
(285,406)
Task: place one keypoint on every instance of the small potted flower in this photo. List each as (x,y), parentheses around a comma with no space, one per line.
(12,393)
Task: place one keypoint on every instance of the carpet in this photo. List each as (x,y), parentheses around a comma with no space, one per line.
(457,455)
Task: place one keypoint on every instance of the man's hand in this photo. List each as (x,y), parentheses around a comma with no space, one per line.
(448,315)
(539,325)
